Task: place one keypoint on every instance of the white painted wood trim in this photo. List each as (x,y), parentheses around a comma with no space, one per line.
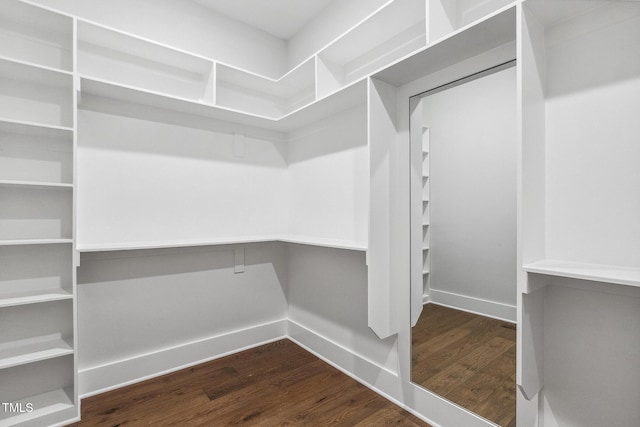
(495,310)
(110,376)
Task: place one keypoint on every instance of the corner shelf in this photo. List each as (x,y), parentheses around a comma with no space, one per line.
(33,350)
(595,272)
(243,91)
(94,92)
(303,240)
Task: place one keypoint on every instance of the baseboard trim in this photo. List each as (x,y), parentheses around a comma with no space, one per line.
(496,310)
(102,378)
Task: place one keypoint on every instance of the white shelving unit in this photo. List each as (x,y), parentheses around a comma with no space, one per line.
(574,176)
(593,272)
(393,32)
(36,36)
(246,92)
(126,60)
(426,218)
(37,279)
(33,94)
(447,16)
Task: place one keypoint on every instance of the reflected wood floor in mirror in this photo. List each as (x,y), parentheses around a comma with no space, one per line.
(276,384)
(467,359)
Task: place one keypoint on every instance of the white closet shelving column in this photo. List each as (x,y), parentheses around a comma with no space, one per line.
(37,277)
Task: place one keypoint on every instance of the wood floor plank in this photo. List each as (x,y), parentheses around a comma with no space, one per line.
(468,359)
(278,384)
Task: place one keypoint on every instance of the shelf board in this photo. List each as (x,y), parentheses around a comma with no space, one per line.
(43,404)
(495,30)
(20,242)
(93,89)
(130,246)
(19,71)
(326,243)
(596,272)
(33,350)
(31,184)
(35,129)
(33,297)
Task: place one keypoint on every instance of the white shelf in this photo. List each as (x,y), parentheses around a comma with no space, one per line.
(243,91)
(32,350)
(34,94)
(18,242)
(94,91)
(44,404)
(576,270)
(33,297)
(35,35)
(112,55)
(394,31)
(326,243)
(493,31)
(446,16)
(130,246)
(39,185)
(35,129)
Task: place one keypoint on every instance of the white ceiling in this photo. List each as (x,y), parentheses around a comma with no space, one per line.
(281,18)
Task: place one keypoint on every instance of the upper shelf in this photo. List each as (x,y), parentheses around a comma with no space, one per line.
(243,91)
(36,36)
(111,55)
(489,33)
(98,90)
(32,94)
(395,31)
(600,273)
(303,240)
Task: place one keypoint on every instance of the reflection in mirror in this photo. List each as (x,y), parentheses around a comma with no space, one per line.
(463,242)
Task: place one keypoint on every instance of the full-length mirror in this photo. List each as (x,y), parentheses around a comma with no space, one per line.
(463,242)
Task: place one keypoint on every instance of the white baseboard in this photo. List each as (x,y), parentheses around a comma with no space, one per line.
(113,375)
(379,379)
(479,306)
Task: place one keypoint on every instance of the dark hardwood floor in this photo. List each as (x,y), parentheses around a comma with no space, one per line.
(468,359)
(278,384)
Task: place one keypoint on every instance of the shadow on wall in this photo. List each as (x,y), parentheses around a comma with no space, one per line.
(327,293)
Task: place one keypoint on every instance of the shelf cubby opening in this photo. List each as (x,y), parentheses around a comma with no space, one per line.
(37,36)
(36,322)
(46,385)
(35,213)
(34,274)
(35,154)
(243,91)
(447,16)
(392,33)
(116,57)
(590,170)
(35,95)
